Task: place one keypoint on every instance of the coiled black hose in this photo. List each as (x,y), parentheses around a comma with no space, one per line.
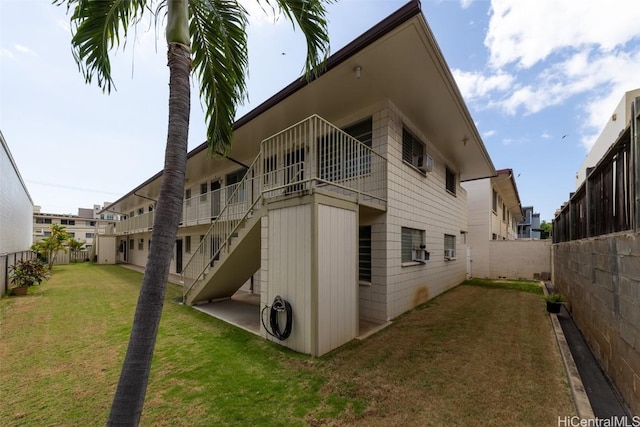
(279,305)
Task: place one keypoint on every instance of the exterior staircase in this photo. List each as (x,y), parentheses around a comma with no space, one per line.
(311,155)
(229,254)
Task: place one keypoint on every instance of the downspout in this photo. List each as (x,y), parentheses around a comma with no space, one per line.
(635,160)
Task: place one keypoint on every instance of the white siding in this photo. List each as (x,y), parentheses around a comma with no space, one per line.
(289,270)
(337,277)
(106,249)
(16,206)
(420,202)
(480,229)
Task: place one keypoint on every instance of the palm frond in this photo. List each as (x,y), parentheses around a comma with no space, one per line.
(310,16)
(97,27)
(219,46)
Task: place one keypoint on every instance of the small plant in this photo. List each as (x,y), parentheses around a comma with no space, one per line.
(555,297)
(27,272)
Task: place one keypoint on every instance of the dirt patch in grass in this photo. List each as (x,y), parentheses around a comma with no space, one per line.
(473,356)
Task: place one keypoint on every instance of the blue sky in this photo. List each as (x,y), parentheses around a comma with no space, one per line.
(531,72)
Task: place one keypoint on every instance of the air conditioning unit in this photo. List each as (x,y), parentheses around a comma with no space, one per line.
(423,162)
(420,255)
(449,254)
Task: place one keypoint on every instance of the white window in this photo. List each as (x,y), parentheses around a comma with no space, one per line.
(494,202)
(449,247)
(140,244)
(411,146)
(450,181)
(412,240)
(203,191)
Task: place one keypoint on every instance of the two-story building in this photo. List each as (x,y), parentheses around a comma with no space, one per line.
(341,195)
(529,227)
(16,206)
(494,212)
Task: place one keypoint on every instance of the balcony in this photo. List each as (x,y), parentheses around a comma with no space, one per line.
(312,155)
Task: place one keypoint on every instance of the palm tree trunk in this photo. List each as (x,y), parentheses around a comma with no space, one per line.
(129,397)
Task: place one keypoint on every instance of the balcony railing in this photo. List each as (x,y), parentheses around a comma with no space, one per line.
(311,154)
(137,224)
(315,154)
(243,198)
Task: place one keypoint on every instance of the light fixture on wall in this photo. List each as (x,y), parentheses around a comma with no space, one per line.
(464,141)
(357,70)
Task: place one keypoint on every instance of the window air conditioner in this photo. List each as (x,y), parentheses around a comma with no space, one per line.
(450,254)
(423,162)
(420,255)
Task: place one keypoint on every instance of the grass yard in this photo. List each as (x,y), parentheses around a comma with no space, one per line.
(481,354)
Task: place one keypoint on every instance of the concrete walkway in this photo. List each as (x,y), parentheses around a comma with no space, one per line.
(596,389)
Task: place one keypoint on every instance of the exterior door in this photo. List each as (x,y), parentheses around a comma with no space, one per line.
(215,199)
(125,250)
(179,256)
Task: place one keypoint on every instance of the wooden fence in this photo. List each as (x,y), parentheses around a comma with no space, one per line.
(7,260)
(608,201)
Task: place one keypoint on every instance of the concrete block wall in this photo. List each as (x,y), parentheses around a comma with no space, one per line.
(515,259)
(600,278)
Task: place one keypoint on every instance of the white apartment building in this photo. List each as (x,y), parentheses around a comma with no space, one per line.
(618,121)
(15,205)
(494,210)
(342,195)
(81,227)
(15,210)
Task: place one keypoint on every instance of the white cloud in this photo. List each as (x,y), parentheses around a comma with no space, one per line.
(545,135)
(488,134)
(608,76)
(260,12)
(527,32)
(23,49)
(465,3)
(5,53)
(474,84)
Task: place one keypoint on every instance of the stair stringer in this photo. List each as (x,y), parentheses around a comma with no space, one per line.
(234,267)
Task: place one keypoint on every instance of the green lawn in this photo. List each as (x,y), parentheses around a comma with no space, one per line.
(475,355)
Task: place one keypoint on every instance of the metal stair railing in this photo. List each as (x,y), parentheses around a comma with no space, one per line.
(244,198)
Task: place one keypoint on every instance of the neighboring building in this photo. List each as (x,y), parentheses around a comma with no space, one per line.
(494,210)
(15,215)
(529,228)
(103,212)
(350,205)
(15,206)
(618,121)
(81,227)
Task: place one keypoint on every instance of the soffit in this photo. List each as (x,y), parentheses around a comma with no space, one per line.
(405,66)
(505,186)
